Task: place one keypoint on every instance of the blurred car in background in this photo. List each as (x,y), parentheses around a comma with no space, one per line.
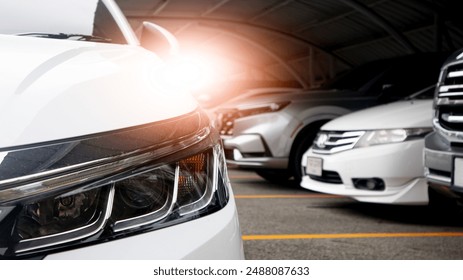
(270,131)
(98,159)
(373,155)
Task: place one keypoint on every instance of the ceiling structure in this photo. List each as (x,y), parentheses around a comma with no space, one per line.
(304,42)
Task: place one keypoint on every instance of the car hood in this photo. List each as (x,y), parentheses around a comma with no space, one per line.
(401,114)
(293,95)
(55,89)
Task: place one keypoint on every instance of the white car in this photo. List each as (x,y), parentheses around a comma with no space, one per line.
(374,155)
(98,159)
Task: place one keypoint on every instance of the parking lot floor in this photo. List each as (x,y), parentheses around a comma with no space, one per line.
(285,221)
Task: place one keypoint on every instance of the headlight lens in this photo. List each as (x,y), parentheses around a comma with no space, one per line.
(387,136)
(62,219)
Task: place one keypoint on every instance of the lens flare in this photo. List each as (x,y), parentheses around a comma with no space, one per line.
(189,71)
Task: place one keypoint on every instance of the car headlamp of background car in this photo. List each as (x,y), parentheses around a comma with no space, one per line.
(374,155)
(387,136)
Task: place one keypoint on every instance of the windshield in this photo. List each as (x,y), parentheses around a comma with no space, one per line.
(426,93)
(88,20)
(357,78)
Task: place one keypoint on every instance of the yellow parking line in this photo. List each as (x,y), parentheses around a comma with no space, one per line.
(286,196)
(244,177)
(352,235)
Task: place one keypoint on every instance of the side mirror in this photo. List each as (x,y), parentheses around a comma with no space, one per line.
(159,40)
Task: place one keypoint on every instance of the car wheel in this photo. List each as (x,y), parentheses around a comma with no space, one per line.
(274,176)
(301,144)
(296,163)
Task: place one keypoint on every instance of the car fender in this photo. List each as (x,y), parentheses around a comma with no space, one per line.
(310,116)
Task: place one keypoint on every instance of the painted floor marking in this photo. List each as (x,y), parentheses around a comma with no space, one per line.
(352,235)
(245,177)
(252,196)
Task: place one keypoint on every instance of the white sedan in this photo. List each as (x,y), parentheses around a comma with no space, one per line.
(98,159)
(374,155)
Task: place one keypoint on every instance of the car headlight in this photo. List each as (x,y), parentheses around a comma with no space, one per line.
(125,189)
(226,118)
(261,109)
(387,136)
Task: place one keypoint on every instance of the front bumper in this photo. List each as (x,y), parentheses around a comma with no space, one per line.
(215,236)
(261,141)
(440,158)
(250,151)
(399,165)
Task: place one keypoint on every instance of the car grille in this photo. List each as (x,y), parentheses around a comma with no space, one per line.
(449,103)
(330,142)
(439,176)
(327,177)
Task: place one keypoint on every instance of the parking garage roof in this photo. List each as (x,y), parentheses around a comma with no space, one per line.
(303,41)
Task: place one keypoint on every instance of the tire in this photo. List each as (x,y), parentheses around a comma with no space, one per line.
(296,163)
(274,176)
(301,144)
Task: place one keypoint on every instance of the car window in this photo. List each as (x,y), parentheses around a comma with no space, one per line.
(391,79)
(359,77)
(426,93)
(90,18)
(105,26)
(404,79)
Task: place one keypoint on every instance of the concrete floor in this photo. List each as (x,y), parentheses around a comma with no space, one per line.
(288,222)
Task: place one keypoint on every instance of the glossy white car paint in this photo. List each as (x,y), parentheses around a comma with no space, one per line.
(55,89)
(402,114)
(400,165)
(59,89)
